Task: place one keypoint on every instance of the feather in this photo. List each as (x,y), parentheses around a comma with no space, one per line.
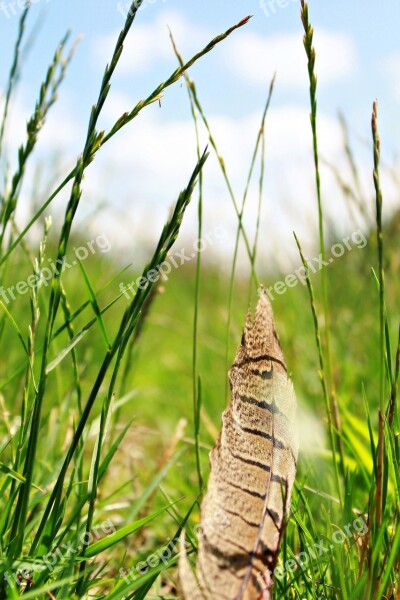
(253,466)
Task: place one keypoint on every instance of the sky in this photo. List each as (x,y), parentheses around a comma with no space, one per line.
(131,186)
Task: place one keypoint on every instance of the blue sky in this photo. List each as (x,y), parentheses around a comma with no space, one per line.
(358,60)
(371,24)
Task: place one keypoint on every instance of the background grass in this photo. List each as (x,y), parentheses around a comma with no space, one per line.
(119,404)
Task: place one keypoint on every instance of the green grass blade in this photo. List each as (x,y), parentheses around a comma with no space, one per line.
(95,306)
(121,534)
(13,74)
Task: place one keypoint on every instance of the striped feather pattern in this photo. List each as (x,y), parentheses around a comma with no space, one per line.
(253,466)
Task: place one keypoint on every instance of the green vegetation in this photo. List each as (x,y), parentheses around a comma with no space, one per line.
(109,407)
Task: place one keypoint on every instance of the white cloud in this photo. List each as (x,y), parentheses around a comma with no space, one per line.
(58,142)
(142,170)
(255,58)
(149,43)
(59,132)
(139,173)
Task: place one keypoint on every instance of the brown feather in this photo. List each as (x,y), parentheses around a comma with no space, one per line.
(253,465)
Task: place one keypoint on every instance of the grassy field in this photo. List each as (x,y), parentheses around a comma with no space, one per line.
(110,406)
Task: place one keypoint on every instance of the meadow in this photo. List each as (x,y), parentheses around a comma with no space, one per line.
(109,406)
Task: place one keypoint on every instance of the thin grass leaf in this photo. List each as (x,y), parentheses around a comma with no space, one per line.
(149,490)
(123,588)
(322,372)
(11,473)
(95,306)
(15,327)
(65,351)
(392,558)
(393,396)
(14,71)
(195,375)
(240,221)
(379,234)
(311,55)
(193,92)
(121,534)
